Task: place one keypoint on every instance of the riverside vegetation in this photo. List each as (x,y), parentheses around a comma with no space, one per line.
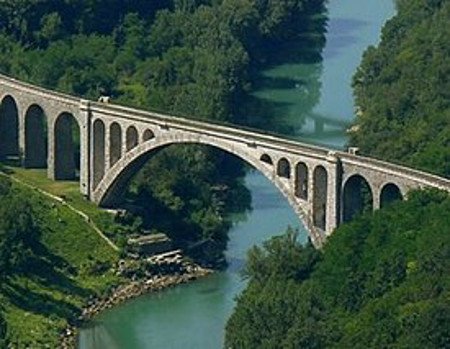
(382,281)
(50,262)
(188,57)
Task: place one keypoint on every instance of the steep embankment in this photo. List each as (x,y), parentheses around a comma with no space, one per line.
(51,261)
(382,281)
(402,89)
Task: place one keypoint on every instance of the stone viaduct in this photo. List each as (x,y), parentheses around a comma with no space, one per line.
(324,187)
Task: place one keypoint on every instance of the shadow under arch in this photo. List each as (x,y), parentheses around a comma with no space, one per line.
(67,146)
(36,137)
(9,128)
(389,194)
(357,196)
(110,190)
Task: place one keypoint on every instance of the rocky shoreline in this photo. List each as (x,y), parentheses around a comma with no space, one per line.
(126,292)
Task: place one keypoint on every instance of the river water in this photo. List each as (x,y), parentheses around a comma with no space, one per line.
(194,315)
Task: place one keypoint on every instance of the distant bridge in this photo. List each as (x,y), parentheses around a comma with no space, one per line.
(322,186)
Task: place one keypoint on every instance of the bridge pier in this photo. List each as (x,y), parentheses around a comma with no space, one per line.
(51,149)
(333,197)
(21,135)
(85,145)
(376,193)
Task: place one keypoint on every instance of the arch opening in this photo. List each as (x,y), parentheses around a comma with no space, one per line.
(148,135)
(132,138)
(357,197)
(284,168)
(301,181)
(266,159)
(36,138)
(110,192)
(389,194)
(115,143)
(9,129)
(320,197)
(99,152)
(67,147)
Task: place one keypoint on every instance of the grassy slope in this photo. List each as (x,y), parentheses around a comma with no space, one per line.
(67,270)
(68,189)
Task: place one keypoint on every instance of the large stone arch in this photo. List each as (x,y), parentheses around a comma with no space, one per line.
(98,152)
(320,197)
(114,183)
(390,192)
(115,143)
(9,128)
(36,138)
(357,197)
(67,147)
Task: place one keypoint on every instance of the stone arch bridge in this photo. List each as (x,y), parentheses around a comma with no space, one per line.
(323,186)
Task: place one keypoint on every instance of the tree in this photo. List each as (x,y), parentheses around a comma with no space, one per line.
(403,118)
(381,281)
(3,332)
(19,233)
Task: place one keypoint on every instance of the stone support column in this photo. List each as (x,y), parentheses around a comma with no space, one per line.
(21,115)
(376,197)
(84,120)
(333,197)
(124,128)
(107,146)
(51,148)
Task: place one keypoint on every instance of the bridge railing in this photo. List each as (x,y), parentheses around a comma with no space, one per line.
(221,128)
(251,135)
(364,161)
(37,89)
(175,120)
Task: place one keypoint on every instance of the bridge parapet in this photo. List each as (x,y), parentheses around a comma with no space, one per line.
(251,137)
(115,141)
(24,87)
(420,178)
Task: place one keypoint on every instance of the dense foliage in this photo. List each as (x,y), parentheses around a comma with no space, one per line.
(190,57)
(51,261)
(19,235)
(3,331)
(382,281)
(402,89)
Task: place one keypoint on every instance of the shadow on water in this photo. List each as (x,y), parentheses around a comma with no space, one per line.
(346,35)
(98,337)
(286,87)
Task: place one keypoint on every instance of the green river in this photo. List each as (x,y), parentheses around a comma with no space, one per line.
(299,93)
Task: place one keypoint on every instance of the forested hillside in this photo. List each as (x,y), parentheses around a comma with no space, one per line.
(402,89)
(189,57)
(382,281)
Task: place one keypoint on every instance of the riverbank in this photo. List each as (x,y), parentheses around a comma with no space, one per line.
(123,293)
